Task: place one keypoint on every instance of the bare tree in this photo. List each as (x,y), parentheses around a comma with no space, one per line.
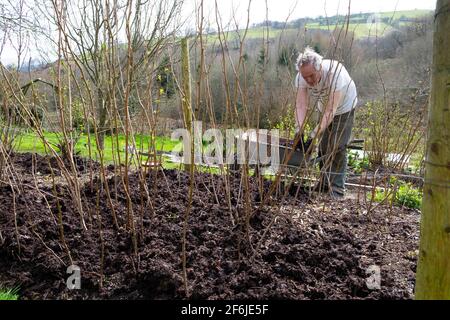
(96,40)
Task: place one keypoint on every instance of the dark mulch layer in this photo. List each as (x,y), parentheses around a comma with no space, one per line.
(32,163)
(315,249)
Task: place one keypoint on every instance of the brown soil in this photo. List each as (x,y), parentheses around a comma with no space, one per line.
(316,248)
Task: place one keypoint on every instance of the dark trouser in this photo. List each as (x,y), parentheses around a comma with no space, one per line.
(333,144)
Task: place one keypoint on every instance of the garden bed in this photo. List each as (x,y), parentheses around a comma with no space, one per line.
(295,248)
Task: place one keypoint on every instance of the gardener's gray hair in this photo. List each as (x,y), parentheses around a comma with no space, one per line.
(309,56)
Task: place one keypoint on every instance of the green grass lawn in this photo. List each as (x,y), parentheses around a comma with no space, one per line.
(8,294)
(30,142)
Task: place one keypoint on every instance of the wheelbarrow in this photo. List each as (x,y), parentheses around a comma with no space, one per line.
(289,157)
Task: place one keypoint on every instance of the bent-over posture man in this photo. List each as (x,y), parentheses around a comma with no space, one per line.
(326,85)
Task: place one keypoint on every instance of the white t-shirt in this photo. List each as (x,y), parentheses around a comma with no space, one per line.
(334,78)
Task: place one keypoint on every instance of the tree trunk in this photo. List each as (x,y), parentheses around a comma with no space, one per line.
(186,97)
(433,272)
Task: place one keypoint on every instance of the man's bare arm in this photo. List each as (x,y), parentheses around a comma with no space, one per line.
(301,106)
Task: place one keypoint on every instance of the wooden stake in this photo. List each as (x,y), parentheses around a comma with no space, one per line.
(186,94)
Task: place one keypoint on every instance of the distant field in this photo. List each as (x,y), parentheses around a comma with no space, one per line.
(252,33)
(408,14)
(360,29)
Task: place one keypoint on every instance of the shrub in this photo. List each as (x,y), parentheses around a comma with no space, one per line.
(286,124)
(358,165)
(409,196)
(390,128)
(406,195)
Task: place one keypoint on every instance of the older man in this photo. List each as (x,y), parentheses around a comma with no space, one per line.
(326,85)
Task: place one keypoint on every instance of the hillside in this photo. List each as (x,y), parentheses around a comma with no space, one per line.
(363,24)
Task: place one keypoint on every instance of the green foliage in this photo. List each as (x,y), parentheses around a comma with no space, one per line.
(77,116)
(262,59)
(9,294)
(409,196)
(283,57)
(287,56)
(401,193)
(381,195)
(164,78)
(317,48)
(358,165)
(286,123)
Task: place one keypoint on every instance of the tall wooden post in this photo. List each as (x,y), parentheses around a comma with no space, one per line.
(186,96)
(433,272)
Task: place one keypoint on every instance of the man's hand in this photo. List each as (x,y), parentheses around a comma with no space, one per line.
(302,144)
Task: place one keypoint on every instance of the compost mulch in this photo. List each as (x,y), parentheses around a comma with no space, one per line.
(299,247)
